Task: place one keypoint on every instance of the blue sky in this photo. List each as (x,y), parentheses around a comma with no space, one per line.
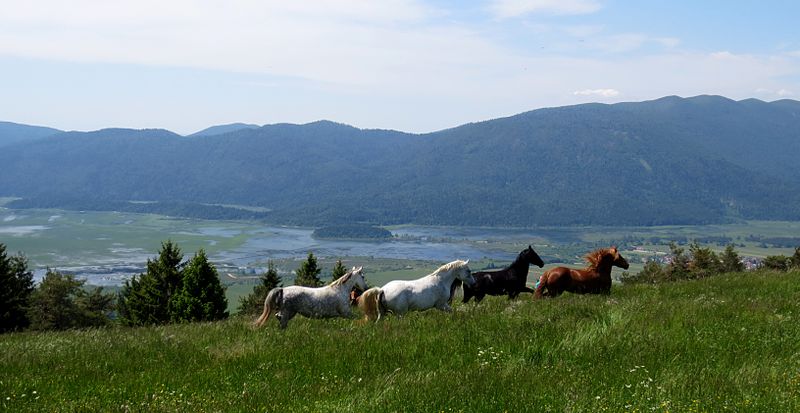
(410,65)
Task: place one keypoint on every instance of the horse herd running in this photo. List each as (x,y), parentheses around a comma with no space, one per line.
(436,290)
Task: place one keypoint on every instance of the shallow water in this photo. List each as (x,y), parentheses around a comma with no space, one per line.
(431,244)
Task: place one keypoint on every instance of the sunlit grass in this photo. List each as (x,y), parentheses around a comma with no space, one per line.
(722,344)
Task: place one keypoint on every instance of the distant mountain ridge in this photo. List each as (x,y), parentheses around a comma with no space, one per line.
(668,161)
(14,132)
(222,129)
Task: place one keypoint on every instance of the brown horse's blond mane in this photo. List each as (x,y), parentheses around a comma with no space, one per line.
(450,266)
(594,257)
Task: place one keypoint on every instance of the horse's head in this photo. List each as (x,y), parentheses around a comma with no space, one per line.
(357,275)
(532,257)
(619,261)
(464,274)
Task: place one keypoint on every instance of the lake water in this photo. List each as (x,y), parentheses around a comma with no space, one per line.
(263,243)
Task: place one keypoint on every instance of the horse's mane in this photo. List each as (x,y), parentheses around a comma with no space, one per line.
(594,257)
(450,266)
(340,280)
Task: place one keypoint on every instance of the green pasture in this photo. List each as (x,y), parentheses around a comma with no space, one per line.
(60,238)
(67,238)
(729,343)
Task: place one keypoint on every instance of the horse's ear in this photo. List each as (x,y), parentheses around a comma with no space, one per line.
(530,247)
(466,262)
(359,268)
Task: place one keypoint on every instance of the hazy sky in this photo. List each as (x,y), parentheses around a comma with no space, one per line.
(411,65)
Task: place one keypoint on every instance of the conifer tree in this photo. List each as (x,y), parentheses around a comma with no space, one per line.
(730,260)
(338,270)
(308,272)
(678,268)
(16,286)
(794,260)
(776,262)
(200,296)
(60,302)
(704,261)
(253,303)
(146,300)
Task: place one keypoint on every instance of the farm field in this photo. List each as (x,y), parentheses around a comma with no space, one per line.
(728,343)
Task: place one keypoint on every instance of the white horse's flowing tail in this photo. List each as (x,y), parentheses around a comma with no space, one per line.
(370,303)
(272,302)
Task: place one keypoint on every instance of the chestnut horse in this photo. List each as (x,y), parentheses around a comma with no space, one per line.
(595,279)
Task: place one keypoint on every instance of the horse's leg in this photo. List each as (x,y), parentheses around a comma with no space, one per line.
(539,292)
(468,293)
(444,307)
(285,317)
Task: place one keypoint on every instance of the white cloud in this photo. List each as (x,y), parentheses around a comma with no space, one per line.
(722,55)
(606,93)
(396,63)
(768,93)
(669,42)
(504,9)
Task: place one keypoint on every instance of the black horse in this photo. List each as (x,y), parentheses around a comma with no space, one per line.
(508,281)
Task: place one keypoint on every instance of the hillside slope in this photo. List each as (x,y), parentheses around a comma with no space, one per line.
(668,161)
(726,343)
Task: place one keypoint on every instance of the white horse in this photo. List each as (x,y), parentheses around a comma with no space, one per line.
(430,291)
(324,302)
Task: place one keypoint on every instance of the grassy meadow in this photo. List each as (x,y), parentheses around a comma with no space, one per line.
(730,343)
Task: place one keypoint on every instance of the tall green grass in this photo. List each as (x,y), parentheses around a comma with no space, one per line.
(729,343)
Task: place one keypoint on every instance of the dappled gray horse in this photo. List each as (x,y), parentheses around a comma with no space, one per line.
(324,302)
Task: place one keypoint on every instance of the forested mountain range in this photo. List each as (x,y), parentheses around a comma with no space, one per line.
(667,161)
(14,132)
(220,129)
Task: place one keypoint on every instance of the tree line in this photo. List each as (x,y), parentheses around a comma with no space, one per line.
(174,290)
(171,290)
(701,262)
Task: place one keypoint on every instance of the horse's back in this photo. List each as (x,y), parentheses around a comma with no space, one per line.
(401,295)
(312,302)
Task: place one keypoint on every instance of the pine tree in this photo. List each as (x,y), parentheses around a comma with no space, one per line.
(253,303)
(794,260)
(308,273)
(200,296)
(146,300)
(652,273)
(776,263)
(338,271)
(704,261)
(678,268)
(16,286)
(730,260)
(60,302)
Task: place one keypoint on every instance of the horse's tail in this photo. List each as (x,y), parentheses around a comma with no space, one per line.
(370,303)
(541,285)
(272,302)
